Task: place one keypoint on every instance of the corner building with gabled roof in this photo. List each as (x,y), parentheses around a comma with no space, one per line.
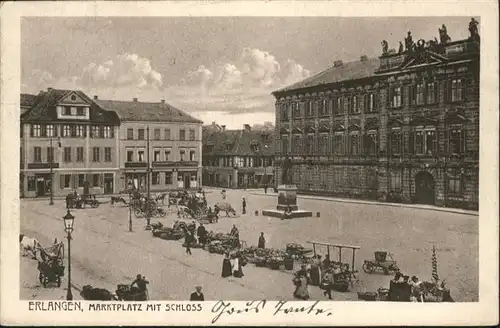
(403,127)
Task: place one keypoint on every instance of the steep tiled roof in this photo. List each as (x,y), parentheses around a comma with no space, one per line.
(348,71)
(237,142)
(27,99)
(146,111)
(44,106)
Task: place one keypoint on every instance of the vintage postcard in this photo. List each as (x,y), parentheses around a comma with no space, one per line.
(249,163)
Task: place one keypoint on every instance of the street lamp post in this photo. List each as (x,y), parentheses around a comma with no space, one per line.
(129,185)
(51,174)
(68,227)
(148,182)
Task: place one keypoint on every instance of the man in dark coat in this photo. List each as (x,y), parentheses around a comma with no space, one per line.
(262,241)
(202,234)
(197,295)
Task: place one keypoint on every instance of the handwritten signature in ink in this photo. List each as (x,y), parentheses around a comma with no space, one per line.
(284,307)
(226,308)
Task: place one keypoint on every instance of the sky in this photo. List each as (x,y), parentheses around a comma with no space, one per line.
(220,69)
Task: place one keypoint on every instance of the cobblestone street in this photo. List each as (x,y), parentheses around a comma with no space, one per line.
(105,254)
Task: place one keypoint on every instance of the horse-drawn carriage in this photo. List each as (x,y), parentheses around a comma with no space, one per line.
(51,266)
(130,293)
(80,201)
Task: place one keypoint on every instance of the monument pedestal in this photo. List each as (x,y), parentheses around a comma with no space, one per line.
(287,198)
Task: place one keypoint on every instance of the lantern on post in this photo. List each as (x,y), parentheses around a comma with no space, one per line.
(69,220)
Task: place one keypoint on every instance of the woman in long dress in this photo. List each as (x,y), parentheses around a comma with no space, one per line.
(237,271)
(226,266)
(301,290)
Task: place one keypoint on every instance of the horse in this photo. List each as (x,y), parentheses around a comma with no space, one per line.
(90,293)
(28,244)
(117,199)
(225,207)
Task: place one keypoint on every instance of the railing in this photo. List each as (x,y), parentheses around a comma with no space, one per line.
(35,166)
(174,164)
(135,164)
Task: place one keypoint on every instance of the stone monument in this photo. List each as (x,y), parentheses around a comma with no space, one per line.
(287,195)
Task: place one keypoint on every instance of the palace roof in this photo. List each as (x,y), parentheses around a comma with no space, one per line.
(347,71)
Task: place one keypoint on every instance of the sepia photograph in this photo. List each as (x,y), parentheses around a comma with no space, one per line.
(281,158)
(218,165)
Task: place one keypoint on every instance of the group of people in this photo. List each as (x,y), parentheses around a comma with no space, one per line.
(405,289)
(233,265)
(190,238)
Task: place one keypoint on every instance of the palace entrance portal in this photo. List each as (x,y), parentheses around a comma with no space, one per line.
(425,188)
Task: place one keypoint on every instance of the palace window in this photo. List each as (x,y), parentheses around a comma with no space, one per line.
(323,107)
(337,106)
(240,162)
(130,155)
(338,141)
(191,134)
(457,139)
(167,134)
(36,130)
(67,154)
(425,141)
(309,109)
(108,132)
(431,93)
(395,141)
(297,113)
(355,108)
(419,96)
(96,152)
(31,183)
(96,131)
(323,143)
(395,180)
(192,155)
(347,104)
(297,144)
(454,184)
(338,176)
(130,134)
(396,96)
(96,180)
(182,134)
(140,155)
(107,154)
(284,144)
(156,156)
(457,90)
(155,178)
(310,144)
(65,181)
(81,180)
(371,142)
(168,178)
(354,143)
(37,154)
(370,106)
(182,153)
(141,134)
(79,154)
(67,110)
(167,155)
(80,112)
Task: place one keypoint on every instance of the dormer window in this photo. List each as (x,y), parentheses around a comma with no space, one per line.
(80,111)
(67,111)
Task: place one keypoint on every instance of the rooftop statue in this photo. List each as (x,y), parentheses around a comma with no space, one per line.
(385,47)
(409,42)
(474,34)
(443,35)
(401,48)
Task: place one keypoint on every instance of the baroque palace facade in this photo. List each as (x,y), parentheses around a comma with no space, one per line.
(99,146)
(403,127)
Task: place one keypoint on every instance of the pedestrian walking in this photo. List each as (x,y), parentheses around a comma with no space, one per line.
(262,241)
(187,242)
(327,283)
(244,206)
(265,188)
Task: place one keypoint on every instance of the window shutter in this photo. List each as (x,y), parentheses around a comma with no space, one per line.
(61,181)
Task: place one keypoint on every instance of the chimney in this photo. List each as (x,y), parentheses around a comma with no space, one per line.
(95,97)
(163,101)
(223,127)
(135,99)
(247,127)
(364,58)
(338,63)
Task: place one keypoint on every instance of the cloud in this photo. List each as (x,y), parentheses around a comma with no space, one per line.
(36,81)
(294,72)
(260,68)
